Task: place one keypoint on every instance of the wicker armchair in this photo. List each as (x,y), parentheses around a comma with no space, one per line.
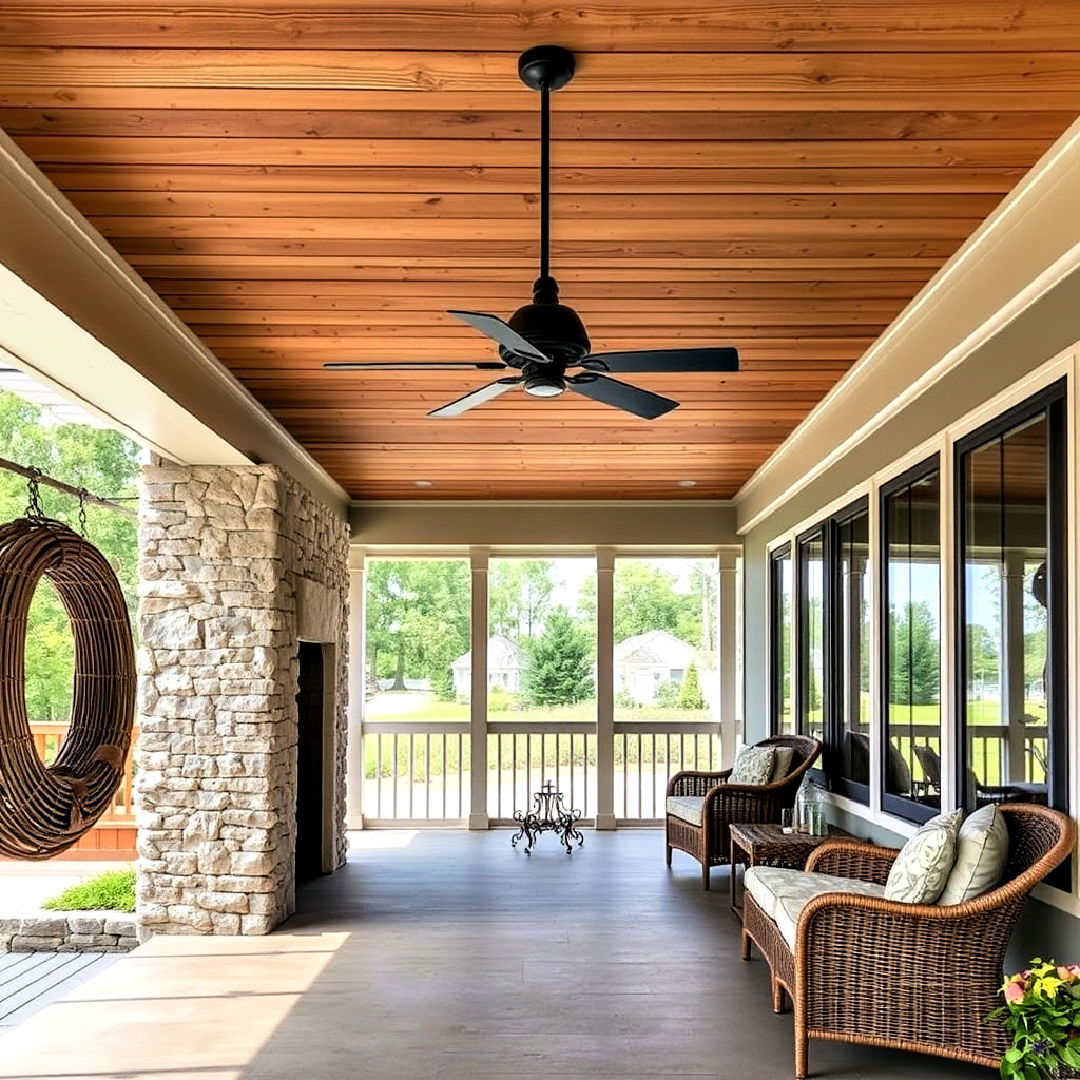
(728,804)
(912,976)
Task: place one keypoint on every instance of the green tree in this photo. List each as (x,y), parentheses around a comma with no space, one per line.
(690,695)
(916,655)
(520,596)
(558,669)
(104,462)
(649,596)
(417,619)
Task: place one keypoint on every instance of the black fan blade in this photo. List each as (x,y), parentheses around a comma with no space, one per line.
(477,397)
(501,332)
(419,365)
(631,399)
(667,360)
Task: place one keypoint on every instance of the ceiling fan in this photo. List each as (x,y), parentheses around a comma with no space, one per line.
(542,340)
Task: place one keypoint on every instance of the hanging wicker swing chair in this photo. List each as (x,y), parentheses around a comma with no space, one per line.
(46,809)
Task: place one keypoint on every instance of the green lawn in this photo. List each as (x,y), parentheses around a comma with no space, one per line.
(414,706)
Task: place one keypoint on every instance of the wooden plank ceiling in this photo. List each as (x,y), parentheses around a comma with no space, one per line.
(319,179)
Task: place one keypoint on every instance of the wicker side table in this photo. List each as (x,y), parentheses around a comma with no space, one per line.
(769,845)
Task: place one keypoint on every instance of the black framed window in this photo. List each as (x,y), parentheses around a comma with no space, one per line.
(911,653)
(1011,702)
(812,690)
(781,705)
(848,563)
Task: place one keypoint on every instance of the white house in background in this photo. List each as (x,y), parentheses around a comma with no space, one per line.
(505,664)
(644,662)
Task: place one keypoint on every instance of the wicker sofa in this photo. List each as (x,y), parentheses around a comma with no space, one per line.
(863,969)
(708,805)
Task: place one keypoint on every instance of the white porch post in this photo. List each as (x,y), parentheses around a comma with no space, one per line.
(728,602)
(354,767)
(478,769)
(605,688)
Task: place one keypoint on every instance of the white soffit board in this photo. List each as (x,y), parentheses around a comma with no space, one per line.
(111,344)
(1029,244)
(56,352)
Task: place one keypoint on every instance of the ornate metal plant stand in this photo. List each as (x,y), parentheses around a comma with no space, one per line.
(547,815)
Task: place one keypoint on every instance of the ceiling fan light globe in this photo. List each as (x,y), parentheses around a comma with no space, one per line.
(544,386)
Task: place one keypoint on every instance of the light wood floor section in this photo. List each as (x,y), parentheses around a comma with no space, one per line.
(447,956)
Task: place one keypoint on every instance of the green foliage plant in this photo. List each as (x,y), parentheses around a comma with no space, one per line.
(558,668)
(690,695)
(1042,1014)
(113,890)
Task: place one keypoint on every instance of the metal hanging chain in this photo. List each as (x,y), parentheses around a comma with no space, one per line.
(33,493)
(31,473)
(82,510)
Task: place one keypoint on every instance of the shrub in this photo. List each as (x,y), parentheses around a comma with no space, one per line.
(690,696)
(502,700)
(113,890)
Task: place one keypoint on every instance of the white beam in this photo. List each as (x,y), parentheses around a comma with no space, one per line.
(76,316)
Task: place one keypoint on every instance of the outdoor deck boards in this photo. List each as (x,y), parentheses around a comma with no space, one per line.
(448,956)
(30,981)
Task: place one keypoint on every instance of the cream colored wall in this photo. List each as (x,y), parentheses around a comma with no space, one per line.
(449,524)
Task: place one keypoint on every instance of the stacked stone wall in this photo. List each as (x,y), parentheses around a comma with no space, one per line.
(224,556)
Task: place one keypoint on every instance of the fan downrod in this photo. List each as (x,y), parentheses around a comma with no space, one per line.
(546,66)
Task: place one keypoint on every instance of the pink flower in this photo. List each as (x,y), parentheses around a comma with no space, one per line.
(1069,973)
(1014,992)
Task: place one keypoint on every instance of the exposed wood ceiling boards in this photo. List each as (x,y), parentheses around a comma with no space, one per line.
(319,180)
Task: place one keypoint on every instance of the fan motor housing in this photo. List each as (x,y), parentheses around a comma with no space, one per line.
(555,329)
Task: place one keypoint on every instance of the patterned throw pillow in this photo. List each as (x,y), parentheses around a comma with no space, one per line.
(753,765)
(781,763)
(921,869)
(982,847)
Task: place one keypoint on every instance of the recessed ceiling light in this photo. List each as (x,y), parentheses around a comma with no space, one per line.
(687,483)
(422,483)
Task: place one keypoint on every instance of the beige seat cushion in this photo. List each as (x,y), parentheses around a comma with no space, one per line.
(686,808)
(782,894)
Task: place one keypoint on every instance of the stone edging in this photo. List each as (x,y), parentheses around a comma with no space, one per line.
(68,931)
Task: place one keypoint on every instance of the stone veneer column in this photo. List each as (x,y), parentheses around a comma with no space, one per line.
(236,564)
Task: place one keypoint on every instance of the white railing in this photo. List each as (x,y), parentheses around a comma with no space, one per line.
(416,772)
(419,773)
(649,753)
(522,756)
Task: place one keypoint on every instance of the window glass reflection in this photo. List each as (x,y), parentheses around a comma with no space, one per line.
(852,689)
(1006,630)
(780,600)
(911,523)
(812,636)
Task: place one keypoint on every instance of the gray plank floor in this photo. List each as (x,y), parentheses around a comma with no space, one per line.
(31,980)
(469,961)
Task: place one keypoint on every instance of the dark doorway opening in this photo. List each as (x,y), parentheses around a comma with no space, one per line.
(310,776)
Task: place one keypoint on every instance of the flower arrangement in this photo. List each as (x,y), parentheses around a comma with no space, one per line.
(1042,1013)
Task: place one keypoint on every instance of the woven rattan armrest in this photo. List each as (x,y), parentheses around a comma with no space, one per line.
(845,858)
(695,782)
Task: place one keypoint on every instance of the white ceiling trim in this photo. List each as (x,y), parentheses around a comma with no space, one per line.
(1029,244)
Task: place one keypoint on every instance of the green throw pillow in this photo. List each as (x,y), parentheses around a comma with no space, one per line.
(753,765)
(920,871)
